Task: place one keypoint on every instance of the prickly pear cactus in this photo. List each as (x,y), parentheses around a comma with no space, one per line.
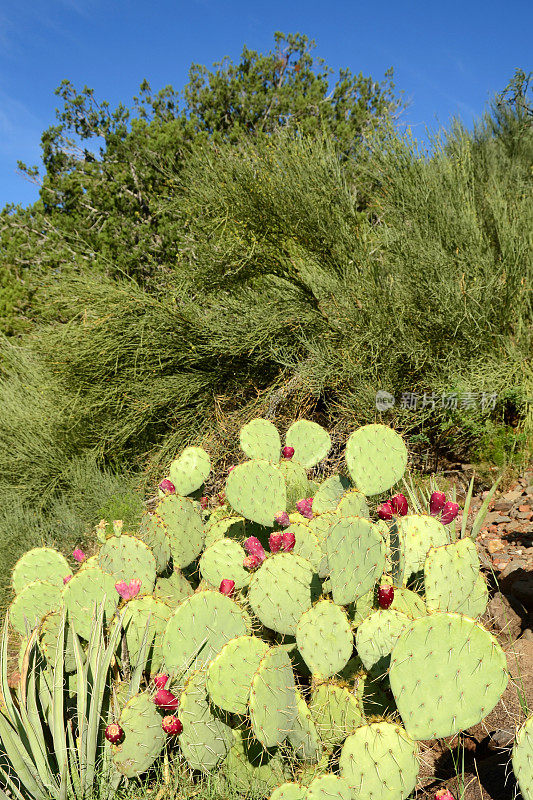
(523,758)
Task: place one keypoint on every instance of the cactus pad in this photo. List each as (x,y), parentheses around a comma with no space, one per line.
(329,493)
(376,457)
(140,613)
(320,525)
(229,676)
(205,739)
(228,527)
(303,737)
(272,700)
(328,787)
(353,504)
(325,639)
(256,490)
(475,604)
(379,761)
(289,791)
(152,534)
(296,482)
(335,712)
(223,559)
(311,442)
(84,593)
(306,545)
(281,590)
(450,575)
(377,635)
(144,737)
(199,628)
(173,590)
(356,557)
(126,557)
(447,673)
(34,601)
(260,439)
(190,470)
(39,564)
(408,602)
(523,758)
(180,518)
(49,635)
(418,533)
(252,770)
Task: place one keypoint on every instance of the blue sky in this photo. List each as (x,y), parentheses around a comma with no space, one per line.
(449,57)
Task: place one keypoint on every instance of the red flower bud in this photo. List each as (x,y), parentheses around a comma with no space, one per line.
(399,505)
(436,502)
(385,511)
(227,587)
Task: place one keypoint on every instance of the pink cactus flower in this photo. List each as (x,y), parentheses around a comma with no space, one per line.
(436,502)
(79,555)
(167,486)
(385,511)
(274,542)
(282,518)
(444,794)
(227,587)
(66,579)
(287,452)
(128,590)
(449,512)
(288,542)
(254,547)
(399,505)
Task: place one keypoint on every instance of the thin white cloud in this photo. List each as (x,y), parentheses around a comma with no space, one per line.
(20,129)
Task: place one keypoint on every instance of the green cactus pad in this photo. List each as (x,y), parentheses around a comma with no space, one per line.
(475,604)
(377,635)
(181,520)
(230,673)
(371,694)
(417,533)
(356,557)
(272,702)
(329,493)
(335,712)
(303,737)
(125,557)
(256,490)
(39,564)
(408,602)
(522,758)
(306,544)
(361,608)
(320,525)
(84,593)
(144,737)
(450,574)
(223,559)
(152,534)
(376,457)
(189,471)
(34,601)
(281,590)
(325,639)
(447,673)
(174,589)
(353,504)
(205,739)
(311,442)
(135,620)
(379,761)
(260,440)
(328,787)
(198,630)
(250,769)
(289,791)
(296,482)
(49,635)
(228,527)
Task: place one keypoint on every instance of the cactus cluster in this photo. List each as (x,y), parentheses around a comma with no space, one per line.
(285,623)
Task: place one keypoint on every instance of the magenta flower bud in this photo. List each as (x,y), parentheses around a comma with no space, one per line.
(160,680)
(449,512)
(282,518)
(385,511)
(444,794)
(287,452)
(227,587)
(79,555)
(288,541)
(254,547)
(305,508)
(385,596)
(165,699)
(128,590)
(399,505)
(114,733)
(171,725)
(251,562)
(66,579)
(436,502)
(204,502)
(274,542)
(167,486)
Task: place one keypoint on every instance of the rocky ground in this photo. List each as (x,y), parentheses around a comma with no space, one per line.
(505,546)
